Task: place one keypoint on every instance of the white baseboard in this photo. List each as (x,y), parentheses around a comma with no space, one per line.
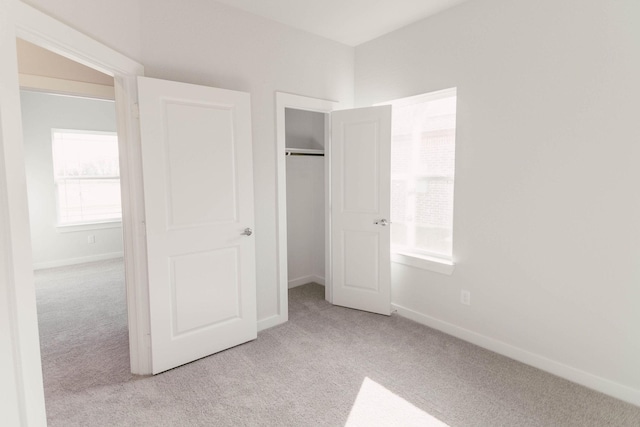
(270,322)
(304,280)
(278,319)
(570,373)
(74,261)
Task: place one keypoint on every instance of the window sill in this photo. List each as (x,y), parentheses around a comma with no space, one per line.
(70,228)
(437,265)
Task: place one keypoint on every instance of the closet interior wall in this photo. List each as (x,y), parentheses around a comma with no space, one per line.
(305,197)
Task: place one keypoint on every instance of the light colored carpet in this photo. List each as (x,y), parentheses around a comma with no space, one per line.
(328,366)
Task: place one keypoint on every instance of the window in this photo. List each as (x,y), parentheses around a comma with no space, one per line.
(87,176)
(422,175)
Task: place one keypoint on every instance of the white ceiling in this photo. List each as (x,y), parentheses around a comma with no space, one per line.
(351,22)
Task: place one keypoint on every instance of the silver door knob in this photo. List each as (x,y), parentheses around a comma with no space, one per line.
(247,232)
(383,222)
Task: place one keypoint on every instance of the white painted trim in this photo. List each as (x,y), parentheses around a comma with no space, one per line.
(133,222)
(75,261)
(294,283)
(269,322)
(16,270)
(567,372)
(421,98)
(75,228)
(44,31)
(287,100)
(436,265)
(22,401)
(66,87)
(328,273)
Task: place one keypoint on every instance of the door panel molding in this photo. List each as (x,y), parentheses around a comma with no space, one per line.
(198,170)
(360,189)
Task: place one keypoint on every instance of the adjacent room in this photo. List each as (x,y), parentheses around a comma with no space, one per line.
(71,163)
(331,213)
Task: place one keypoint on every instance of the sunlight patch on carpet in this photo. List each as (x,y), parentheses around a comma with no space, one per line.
(377,406)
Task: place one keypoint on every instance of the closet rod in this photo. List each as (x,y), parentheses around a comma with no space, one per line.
(289,153)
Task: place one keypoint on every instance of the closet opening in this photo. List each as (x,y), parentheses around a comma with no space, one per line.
(303,194)
(305,187)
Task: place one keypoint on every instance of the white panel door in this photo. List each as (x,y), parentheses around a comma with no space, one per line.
(198,185)
(360,208)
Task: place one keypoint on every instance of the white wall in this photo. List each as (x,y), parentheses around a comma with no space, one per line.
(546,222)
(211,44)
(305,219)
(305,198)
(304,129)
(115,23)
(37,61)
(207,43)
(547,207)
(40,113)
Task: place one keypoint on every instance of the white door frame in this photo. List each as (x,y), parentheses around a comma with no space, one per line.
(20,354)
(287,100)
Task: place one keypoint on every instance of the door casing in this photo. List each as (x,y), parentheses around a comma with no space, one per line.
(298,102)
(283,101)
(19,20)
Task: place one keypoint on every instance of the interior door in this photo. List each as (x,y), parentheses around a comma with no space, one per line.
(198,189)
(360,208)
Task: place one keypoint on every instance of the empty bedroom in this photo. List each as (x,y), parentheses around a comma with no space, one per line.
(357,213)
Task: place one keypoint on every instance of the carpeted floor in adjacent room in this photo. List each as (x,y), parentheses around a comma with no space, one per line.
(328,366)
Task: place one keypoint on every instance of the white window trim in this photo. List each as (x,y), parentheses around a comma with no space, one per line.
(69,227)
(425,97)
(442,265)
(431,263)
(86,226)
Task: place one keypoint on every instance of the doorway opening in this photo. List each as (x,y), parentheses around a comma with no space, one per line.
(356,203)
(28,24)
(72,168)
(305,194)
(303,169)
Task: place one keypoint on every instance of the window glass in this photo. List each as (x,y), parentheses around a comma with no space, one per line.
(423,171)
(87,176)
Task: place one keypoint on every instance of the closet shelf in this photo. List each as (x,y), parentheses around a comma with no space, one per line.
(304,151)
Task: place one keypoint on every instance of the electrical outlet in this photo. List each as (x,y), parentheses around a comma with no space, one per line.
(465,297)
(91,239)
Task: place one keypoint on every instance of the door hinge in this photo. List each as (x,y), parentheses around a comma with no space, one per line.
(136,111)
